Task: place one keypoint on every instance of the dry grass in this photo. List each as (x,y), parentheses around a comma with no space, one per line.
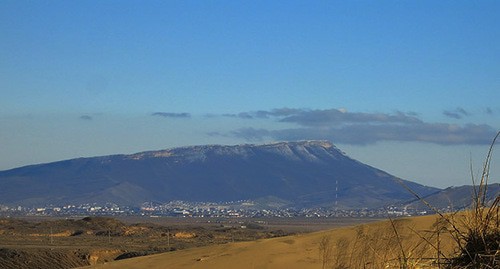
(479,241)
(371,245)
(390,244)
(476,232)
(475,237)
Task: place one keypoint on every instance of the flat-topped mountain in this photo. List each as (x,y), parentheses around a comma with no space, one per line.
(305,173)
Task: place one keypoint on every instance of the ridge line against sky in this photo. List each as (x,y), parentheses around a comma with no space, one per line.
(410,87)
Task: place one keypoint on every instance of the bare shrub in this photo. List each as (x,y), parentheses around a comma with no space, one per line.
(476,232)
(325,251)
(341,253)
(479,241)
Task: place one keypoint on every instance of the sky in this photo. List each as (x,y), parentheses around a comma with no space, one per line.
(409,87)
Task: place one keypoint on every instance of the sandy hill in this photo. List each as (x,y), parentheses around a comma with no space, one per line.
(374,245)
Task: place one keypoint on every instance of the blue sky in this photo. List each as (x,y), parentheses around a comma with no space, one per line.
(411,87)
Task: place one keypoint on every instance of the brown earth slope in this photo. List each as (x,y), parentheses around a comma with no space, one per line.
(69,243)
(371,246)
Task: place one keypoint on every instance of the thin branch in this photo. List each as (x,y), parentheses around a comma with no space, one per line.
(399,242)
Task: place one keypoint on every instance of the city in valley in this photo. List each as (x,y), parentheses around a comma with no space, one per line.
(237,209)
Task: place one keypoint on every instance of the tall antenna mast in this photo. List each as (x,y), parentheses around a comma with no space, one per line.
(336,193)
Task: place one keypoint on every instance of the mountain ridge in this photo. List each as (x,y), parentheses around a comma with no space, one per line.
(455,198)
(304,173)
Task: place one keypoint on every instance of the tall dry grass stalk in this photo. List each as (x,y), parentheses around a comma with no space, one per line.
(479,240)
(389,245)
(325,251)
(477,231)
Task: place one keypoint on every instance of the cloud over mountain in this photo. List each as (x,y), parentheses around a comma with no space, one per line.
(319,117)
(85,117)
(358,128)
(458,113)
(330,117)
(363,134)
(171,115)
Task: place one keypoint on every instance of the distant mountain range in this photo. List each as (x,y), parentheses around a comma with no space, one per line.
(455,198)
(302,174)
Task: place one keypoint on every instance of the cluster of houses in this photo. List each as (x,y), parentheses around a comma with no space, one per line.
(238,209)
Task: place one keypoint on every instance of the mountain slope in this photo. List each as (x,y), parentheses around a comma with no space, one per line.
(305,173)
(301,251)
(455,198)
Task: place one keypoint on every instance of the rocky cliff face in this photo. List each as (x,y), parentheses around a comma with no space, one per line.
(305,173)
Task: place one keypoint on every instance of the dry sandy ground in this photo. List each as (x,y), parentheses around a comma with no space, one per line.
(291,252)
